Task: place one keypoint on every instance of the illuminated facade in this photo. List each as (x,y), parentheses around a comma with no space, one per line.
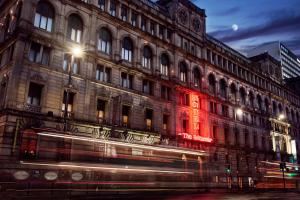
(149,74)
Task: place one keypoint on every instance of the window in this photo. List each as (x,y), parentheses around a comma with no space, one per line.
(75,28)
(124,13)
(164,64)
(101,4)
(149,116)
(165,92)
(165,122)
(103,74)
(197,77)
(223,88)
(161,31)
(243,96)
(143,23)
(44,16)
(225,111)
(75,66)
(212,84)
(69,100)
(251,99)
(127,49)
(185,125)
(105,41)
(125,116)
(101,110)
(184,99)
(126,80)
(39,54)
(213,107)
(134,18)
(148,87)
(152,28)
(34,94)
(183,72)
(147,57)
(112,8)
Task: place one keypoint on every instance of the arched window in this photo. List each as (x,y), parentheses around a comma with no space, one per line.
(267,105)
(105,41)
(259,102)
(212,83)
(243,96)
(223,88)
(127,49)
(44,16)
(164,64)
(251,99)
(75,28)
(183,72)
(147,57)
(197,77)
(233,91)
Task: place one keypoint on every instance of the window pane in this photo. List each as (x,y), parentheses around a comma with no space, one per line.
(37,19)
(43,22)
(78,36)
(49,25)
(73,34)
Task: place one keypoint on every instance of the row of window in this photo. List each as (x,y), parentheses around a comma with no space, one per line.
(35,95)
(230,66)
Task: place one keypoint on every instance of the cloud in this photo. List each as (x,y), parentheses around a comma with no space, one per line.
(229,11)
(283,23)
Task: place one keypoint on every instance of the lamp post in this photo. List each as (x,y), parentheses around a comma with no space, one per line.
(75,53)
(237,112)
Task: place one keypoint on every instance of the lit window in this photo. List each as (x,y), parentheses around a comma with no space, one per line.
(127,49)
(105,41)
(75,28)
(183,72)
(164,64)
(149,115)
(125,116)
(44,16)
(70,101)
(101,110)
(103,74)
(147,57)
(165,122)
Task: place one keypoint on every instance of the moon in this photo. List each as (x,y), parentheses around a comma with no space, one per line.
(235,27)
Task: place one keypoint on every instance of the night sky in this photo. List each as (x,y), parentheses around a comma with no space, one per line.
(258,21)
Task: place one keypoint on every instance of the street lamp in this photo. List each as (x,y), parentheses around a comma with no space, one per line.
(76,52)
(281,117)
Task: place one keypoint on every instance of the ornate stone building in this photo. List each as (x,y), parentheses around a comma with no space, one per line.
(150,74)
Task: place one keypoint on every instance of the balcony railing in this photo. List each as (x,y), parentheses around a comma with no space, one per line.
(32,108)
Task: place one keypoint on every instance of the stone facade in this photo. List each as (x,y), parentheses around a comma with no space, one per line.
(32,54)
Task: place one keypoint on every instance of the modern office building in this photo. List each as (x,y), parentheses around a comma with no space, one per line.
(289,61)
(149,79)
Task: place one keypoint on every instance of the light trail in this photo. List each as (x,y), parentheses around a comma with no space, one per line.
(142,146)
(126,168)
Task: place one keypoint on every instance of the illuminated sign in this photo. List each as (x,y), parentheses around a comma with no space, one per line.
(195,117)
(195,137)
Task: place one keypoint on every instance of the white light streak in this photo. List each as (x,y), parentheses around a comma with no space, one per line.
(142,146)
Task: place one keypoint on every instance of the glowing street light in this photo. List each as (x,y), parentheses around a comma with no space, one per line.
(77,51)
(281,117)
(239,112)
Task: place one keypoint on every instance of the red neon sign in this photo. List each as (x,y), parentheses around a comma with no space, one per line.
(195,137)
